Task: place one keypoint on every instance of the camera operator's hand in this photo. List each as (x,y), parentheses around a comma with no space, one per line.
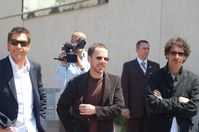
(62,55)
(79,63)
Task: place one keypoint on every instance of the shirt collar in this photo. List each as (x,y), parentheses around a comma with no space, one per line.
(15,67)
(83,54)
(140,61)
(167,68)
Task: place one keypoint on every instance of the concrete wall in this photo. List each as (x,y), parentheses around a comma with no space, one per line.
(119,24)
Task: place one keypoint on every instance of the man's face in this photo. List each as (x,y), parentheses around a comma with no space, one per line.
(176,57)
(18,47)
(143,51)
(98,61)
(74,40)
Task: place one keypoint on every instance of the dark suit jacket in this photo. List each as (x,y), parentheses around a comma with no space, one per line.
(134,83)
(73,95)
(163,111)
(8,97)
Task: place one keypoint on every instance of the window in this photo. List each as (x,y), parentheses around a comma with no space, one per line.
(34,8)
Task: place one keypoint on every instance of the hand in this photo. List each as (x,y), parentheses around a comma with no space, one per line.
(126,113)
(79,62)
(87,109)
(8,129)
(183,100)
(157,94)
(62,55)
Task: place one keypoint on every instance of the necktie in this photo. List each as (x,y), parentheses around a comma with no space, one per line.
(143,64)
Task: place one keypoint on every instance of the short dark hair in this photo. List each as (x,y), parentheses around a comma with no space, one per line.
(18,30)
(92,48)
(179,42)
(139,43)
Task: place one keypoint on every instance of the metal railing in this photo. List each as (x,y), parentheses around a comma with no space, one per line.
(52,98)
(52,9)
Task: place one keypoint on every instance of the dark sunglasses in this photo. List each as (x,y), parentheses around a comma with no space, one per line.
(16,42)
(174,53)
(100,58)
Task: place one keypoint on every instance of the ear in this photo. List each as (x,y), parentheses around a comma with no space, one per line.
(89,59)
(8,47)
(184,59)
(136,49)
(167,56)
(28,47)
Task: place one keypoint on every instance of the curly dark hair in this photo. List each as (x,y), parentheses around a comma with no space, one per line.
(180,42)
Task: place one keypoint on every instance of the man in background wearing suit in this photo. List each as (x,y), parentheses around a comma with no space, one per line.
(134,83)
(22,97)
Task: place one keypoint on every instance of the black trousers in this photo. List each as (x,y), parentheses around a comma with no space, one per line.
(136,125)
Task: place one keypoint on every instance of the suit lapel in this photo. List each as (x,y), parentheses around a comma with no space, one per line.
(149,68)
(10,77)
(11,84)
(33,79)
(137,65)
(83,87)
(107,87)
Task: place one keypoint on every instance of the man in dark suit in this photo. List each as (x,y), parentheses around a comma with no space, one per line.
(22,97)
(134,78)
(173,92)
(95,97)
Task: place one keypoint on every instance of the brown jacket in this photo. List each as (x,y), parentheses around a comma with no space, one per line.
(73,95)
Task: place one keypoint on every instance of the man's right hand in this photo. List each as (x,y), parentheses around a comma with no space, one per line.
(183,100)
(9,129)
(157,94)
(62,55)
(126,113)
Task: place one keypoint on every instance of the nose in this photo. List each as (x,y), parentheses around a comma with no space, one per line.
(19,45)
(177,55)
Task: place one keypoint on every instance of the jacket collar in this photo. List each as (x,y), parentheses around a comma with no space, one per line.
(166,68)
(106,85)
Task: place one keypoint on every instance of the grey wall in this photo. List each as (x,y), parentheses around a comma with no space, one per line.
(119,24)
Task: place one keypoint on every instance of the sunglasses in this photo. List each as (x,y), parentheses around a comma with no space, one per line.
(174,53)
(100,58)
(21,42)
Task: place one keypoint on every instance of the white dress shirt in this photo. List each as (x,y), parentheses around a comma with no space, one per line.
(140,61)
(25,118)
(174,125)
(65,73)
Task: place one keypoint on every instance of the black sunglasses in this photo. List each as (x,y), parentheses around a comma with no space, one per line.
(100,58)
(21,42)
(174,53)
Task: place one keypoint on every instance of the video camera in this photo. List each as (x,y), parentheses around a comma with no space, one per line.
(71,48)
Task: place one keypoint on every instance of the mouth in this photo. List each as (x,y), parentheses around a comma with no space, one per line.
(176,62)
(101,67)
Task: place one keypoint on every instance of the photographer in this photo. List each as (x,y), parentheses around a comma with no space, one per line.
(67,70)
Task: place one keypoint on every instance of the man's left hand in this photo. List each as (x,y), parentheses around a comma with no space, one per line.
(87,109)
